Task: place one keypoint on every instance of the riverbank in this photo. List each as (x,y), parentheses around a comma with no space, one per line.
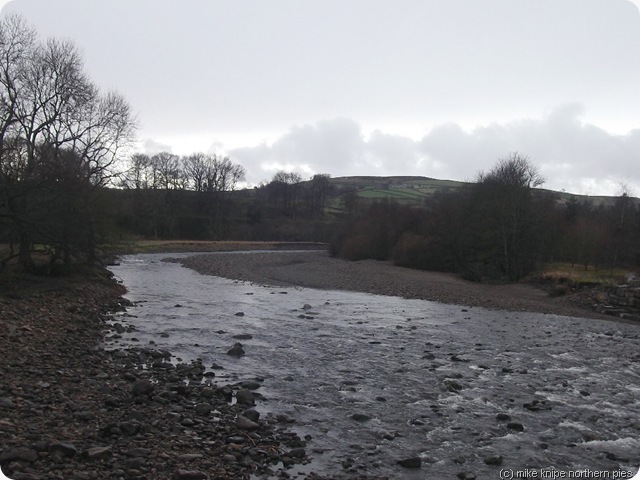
(180,246)
(71,410)
(316,269)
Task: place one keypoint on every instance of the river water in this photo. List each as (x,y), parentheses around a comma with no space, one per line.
(375,379)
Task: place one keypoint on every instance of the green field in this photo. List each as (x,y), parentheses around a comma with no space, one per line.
(411,190)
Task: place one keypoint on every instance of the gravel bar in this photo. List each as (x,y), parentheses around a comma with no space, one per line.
(317,269)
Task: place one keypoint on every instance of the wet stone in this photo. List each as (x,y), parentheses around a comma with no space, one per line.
(203,409)
(142,387)
(456,358)
(245,424)
(243,336)
(245,397)
(452,385)
(251,385)
(236,350)
(236,439)
(360,417)
(19,454)
(517,426)
(138,452)
(297,453)
(66,449)
(493,460)
(466,476)
(252,414)
(537,405)
(96,453)
(189,457)
(411,462)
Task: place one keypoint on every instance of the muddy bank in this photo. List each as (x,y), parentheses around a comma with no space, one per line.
(316,269)
(71,410)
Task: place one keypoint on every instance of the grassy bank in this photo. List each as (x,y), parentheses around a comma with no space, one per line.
(562,278)
(175,246)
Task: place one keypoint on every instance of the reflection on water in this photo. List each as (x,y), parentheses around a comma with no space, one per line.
(375,379)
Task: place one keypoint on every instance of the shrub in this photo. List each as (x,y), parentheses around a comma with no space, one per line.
(413,251)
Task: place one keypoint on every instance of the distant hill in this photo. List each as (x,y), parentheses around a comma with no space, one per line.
(414,189)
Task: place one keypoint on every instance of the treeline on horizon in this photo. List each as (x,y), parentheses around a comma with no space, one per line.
(66,194)
(499,228)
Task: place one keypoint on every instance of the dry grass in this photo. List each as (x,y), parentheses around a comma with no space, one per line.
(562,278)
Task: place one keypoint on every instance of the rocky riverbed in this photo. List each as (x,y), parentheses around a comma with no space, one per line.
(448,391)
(70,409)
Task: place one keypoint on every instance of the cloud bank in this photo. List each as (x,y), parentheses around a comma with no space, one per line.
(571,154)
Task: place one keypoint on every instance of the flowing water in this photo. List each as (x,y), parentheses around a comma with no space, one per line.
(374,379)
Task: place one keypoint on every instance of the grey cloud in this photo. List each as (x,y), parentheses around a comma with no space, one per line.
(250,64)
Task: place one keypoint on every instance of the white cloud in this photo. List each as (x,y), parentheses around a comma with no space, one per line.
(571,154)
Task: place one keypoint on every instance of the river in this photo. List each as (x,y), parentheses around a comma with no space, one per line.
(375,379)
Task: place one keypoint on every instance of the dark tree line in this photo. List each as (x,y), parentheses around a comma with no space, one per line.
(197,197)
(59,141)
(500,227)
(169,196)
(294,198)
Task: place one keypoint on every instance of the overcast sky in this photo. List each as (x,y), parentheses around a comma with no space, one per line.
(439,88)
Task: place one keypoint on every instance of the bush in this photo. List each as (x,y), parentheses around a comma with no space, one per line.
(361,246)
(413,251)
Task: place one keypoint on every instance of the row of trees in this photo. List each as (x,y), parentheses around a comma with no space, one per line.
(198,172)
(500,227)
(293,197)
(169,196)
(195,196)
(60,137)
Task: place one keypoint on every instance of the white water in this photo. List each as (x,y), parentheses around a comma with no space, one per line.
(431,377)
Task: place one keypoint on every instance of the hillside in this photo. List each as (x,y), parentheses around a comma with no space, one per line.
(412,189)
(402,189)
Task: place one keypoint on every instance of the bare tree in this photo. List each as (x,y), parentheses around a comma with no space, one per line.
(196,167)
(505,208)
(138,175)
(55,125)
(284,188)
(166,171)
